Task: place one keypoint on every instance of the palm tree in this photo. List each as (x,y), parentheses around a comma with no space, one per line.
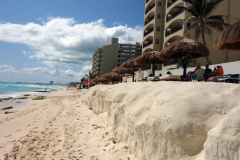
(201,19)
(90,76)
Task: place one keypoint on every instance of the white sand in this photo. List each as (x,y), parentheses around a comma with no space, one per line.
(172,120)
(59,127)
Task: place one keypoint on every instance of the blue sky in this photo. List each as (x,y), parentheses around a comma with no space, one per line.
(54,40)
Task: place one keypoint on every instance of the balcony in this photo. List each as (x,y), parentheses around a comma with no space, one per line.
(175,29)
(149,31)
(170,2)
(147,1)
(150,19)
(174,15)
(151,7)
(147,44)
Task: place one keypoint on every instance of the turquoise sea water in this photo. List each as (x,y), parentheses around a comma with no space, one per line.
(18,89)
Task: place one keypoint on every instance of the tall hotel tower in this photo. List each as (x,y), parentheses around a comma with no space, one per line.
(163,25)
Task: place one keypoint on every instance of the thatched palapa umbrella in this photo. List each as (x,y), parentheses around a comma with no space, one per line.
(122,71)
(102,80)
(97,79)
(112,76)
(229,39)
(151,57)
(185,49)
(132,64)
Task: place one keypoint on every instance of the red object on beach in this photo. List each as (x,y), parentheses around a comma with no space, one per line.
(87,81)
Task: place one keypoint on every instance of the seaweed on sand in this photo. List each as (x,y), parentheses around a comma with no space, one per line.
(10,107)
(39,98)
(22,98)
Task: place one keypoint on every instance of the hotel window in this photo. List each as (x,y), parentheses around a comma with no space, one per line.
(159,16)
(157,41)
(119,51)
(159,3)
(158,28)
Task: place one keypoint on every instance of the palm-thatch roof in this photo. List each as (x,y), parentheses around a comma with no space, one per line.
(121,70)
(132,64)
(112,76)
(150,57)
(229,39)
(181,45)
(102,80)
(97,79)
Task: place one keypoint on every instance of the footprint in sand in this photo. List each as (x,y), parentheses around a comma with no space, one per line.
(8,136)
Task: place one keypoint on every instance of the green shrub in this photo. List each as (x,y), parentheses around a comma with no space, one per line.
(18,102)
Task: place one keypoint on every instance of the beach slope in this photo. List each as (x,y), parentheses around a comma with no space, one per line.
(59,127)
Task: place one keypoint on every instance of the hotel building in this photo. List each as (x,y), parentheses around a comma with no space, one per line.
(163,25)
(108,57)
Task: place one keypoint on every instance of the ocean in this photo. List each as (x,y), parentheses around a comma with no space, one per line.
(8,89)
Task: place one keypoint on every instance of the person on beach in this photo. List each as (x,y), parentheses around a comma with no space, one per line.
(189,77)
(46,89)
(207,72)
(219,71)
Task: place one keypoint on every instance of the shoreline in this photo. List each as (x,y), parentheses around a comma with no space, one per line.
(24,102)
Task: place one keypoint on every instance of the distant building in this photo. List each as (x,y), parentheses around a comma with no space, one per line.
(113,55)
(73,83)
(51,82)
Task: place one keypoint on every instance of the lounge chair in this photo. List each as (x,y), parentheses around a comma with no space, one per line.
(230,78)
(199,76)
(171,77)
(150,78)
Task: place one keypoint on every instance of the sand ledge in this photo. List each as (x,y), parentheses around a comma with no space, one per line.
(171,120)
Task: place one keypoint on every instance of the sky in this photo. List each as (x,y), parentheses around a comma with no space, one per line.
(54,40)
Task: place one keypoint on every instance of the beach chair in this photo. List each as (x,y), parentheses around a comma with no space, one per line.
(150,78)
(171,77)
(199,76)
(230,78)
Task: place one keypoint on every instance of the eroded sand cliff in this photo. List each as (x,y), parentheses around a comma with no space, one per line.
(172,120)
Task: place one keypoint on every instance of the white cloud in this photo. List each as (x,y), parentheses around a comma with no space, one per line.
(25,53)
(25,64)
(117,23)
(61,42)
(57,73)
(39,19)
(86,69)
(7,69)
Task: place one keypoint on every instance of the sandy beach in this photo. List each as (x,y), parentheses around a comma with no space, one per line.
(59,127)
(129,121)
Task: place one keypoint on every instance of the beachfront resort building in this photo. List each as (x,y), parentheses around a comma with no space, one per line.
(108,57)
(163,25)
